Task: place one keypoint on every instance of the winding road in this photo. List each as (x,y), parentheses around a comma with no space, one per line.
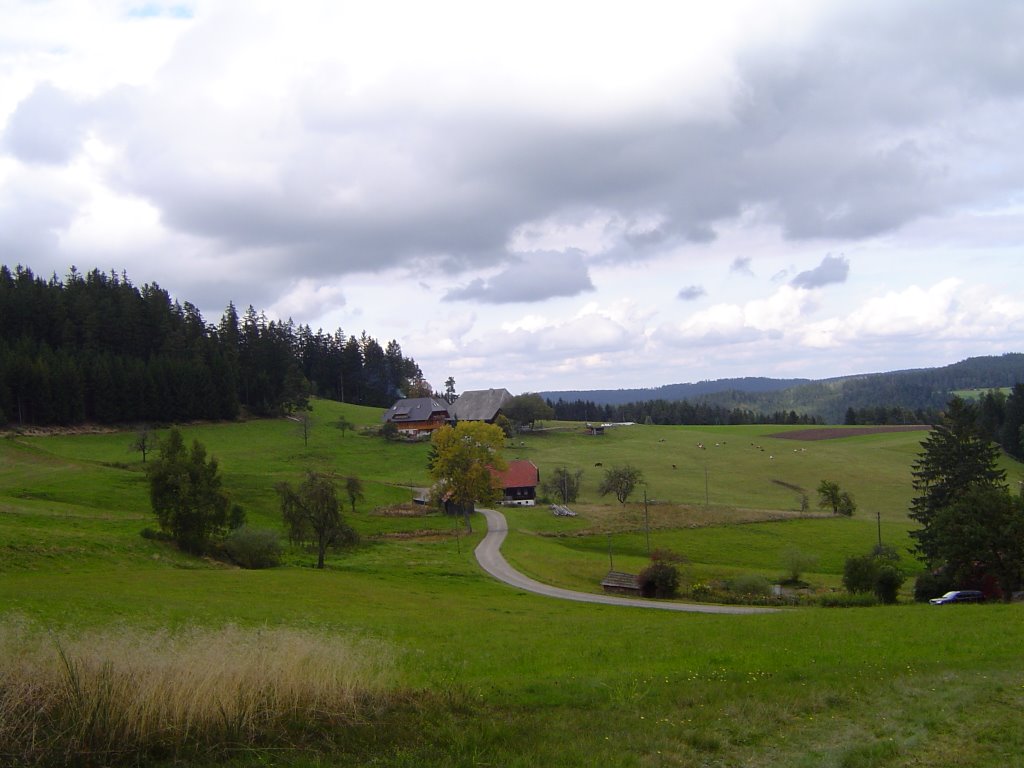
(488,554)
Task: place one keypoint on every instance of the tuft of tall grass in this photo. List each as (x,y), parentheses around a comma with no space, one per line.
(124,694)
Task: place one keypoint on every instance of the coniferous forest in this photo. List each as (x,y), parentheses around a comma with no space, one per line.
(94,347)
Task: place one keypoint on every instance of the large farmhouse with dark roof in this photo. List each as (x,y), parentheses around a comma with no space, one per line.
(480,405)
(417,416)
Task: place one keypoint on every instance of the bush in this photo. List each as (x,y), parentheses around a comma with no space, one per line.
(668,556)
(929,585)
(253,548)
(701,591)
(149,533)
(888,581)
(847,600)
(659,579)
(859,574)
(750,584)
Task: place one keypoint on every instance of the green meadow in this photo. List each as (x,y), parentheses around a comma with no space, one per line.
(456,669)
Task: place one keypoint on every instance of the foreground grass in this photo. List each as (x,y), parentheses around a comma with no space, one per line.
(121,694)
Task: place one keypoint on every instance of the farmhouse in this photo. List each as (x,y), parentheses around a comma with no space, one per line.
(480,405)
(519,483)
(417,416)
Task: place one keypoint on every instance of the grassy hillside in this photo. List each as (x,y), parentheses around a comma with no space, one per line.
(484,674)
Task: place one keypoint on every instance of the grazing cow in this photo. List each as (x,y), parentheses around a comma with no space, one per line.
(598,464)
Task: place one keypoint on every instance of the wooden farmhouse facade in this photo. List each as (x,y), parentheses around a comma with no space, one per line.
(519,483)
(417,416)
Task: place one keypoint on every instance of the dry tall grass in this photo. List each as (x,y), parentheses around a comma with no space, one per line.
(123,694)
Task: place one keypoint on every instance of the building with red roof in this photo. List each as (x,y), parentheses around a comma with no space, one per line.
(519,483)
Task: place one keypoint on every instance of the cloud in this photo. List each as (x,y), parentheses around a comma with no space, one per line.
(308,298)
(741,264)
(833,269)
(691,292)
(534,277)
(47,127)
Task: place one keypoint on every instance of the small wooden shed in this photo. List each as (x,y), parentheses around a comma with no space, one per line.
(619,583)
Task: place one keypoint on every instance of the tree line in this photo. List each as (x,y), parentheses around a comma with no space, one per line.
(998,418)
(674,412)
(93,347)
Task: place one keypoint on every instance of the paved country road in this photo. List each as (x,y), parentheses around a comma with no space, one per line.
(488,554)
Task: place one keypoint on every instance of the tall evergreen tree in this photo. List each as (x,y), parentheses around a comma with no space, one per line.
(955,459)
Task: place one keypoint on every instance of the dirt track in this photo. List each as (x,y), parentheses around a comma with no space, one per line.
(832,433)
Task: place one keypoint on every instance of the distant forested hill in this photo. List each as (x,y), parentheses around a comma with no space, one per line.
(674,391)
(901,395)
(94,347)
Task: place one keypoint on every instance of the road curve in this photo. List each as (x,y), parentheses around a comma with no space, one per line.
(488,554)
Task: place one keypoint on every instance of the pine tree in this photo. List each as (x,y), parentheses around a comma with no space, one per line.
(954,460)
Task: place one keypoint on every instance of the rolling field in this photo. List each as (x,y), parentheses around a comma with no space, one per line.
(481,674)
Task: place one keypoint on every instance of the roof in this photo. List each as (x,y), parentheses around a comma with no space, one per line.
(521,473)
(415,409)
(620,580)
(480,404)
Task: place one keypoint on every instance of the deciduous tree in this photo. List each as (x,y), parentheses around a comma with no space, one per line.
(982,533)
(312,513)
(461,461)
(144,442)
(354,490)
(831,496)
(563,484)
(528,409)
(620,481)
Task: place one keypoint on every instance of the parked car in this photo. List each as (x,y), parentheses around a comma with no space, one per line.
(959,596)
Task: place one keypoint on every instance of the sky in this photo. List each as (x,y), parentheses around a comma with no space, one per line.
(536,195)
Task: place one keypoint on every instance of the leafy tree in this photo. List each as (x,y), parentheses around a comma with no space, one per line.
(831,496)
(982,532)
(344,425)
(354,490)
(186,494)
(954,459)
(312,514)
(795,562)
(877,572)
(859,574)
(621,481)
(304,420)
(144,442)
(503,423)
(419,387)
(888,581)
(528,409)
(461,461)
(563,484)
(659,579)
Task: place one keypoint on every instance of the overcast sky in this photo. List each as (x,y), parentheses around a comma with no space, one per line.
(539,195)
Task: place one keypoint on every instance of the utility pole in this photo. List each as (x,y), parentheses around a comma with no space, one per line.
(878,516)
(611,565)
(647,523)
(706,503)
